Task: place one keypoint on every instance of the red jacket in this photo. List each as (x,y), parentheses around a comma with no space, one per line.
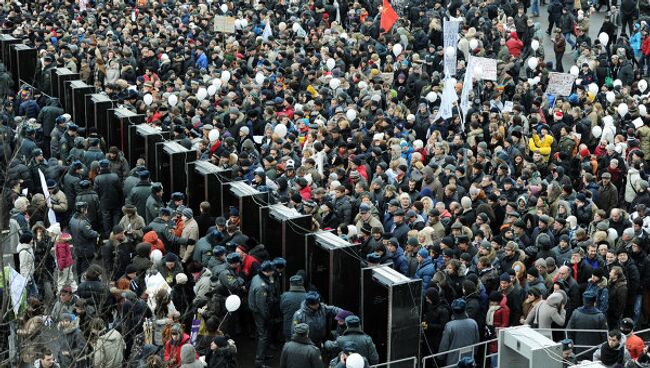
(249,266)
(152,238)
(305,193)
(514,45)
(63,253)
(173,352)
(501,319)
(645,46)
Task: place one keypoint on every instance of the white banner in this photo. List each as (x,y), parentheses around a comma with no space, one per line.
(17,284)
(449,96)
(484,68)
(450,38)
(560,84)
(467,86)
(51,217)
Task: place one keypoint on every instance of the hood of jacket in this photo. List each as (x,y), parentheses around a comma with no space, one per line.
(188,354)
(113,336)
(555,299)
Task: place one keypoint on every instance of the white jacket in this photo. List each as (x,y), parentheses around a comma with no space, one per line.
(26,257)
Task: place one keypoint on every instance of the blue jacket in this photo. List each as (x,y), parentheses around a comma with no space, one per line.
(425,272)
(202,61)
(602,295)
(400,263)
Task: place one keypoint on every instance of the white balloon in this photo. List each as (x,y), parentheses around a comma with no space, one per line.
(212,90)
(532,81)
(537,79)
(244,22)
(238,24)
(148,99)
(351,114)
(603,38)
(643,111)
(578,81)
(618,83)
(213,136)
(608,120)
(201,94)
(233,303)
(217,82)
(574,70)
(431,96)
(363,85)
(172,100)
(355,360)
(596,131)
(450,51)
(473,43)
(225,76)
(259,78)
(610,96)
(622,109)
(295,27)
(224,8)
(280,130)
(397,49)
(282,26)
(330,63)
(156,256)
(593,88)
(335,83)
(533,62)
(534,45)
(643,85)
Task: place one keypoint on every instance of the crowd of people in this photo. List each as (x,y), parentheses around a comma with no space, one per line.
(527,209)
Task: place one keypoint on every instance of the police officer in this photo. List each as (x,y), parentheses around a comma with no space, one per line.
(38,162)
(261,301)
(84,238)
(231,282)
(90,197)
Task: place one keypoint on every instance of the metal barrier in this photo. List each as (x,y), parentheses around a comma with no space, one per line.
(471,350)
(387,364)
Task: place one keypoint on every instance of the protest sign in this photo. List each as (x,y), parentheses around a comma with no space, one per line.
(560,84)
(224,24)
(485,69)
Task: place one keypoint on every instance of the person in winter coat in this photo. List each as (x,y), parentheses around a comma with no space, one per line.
(262,301)
(63,253)
(109,349)
(300,352)
(140,193)
(109,189)
(131,222)
(515,45)
(190,230)
(612,353)
(316,315)
(436,316)
(47,360)
(189,357)
(461,331)
(541,141)
(587,317)
(618,294)
(425,268)
(598,286)
(290,302)
(498,316)
(353,334)
(84,238)
(72,343)
(173,347)
(551,313)
(221,354)
(90,197)
(26,257)
(396,254)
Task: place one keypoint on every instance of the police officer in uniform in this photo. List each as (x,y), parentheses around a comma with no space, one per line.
(84,238)
(261,301)
(232,282)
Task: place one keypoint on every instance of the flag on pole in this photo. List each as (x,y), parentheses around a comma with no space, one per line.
(388,17)
(267,31)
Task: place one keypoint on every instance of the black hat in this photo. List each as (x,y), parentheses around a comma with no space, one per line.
(296,280)
(233,258)
(218,251)
(130,269)
(266,266)
(164,211)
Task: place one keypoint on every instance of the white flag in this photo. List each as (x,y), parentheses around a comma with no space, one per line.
(467,86)
(267,31)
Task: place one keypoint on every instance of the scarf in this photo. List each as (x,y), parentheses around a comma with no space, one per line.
(489,319)
(609,356)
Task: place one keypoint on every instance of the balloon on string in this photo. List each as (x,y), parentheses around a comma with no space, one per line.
(259,78)
(534,44)
(450,51)
(224,8)
(213,136)
(280,130)
(610,97)
(148,99)
(618,83)
(201,94)
(295,27)
(397,49)
(473,44)
(351,114)
(537,79)
(282,26)
(172,100)
(335,83)
(225,76)
(233,302)
(643,111)
(596,131)
(593,88)
(574,70)
(603,38)
(622,109)
(212,90)
(643,85)
(355,360)
(330,63)
(533,62)
(608,120)
(431,97)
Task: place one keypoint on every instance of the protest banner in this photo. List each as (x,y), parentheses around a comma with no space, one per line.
(560,84)
(484,68)
(224,24)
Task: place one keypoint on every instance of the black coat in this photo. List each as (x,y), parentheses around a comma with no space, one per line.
(109,188)
(300,352)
